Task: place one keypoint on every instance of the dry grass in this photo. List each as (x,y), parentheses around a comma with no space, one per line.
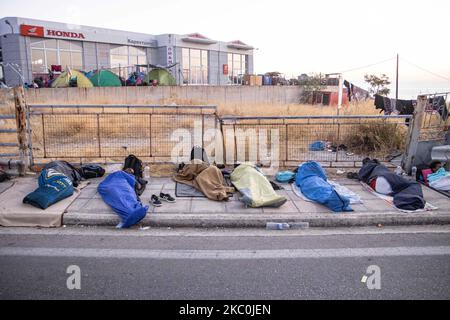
(360,108)
(371,138)
(361,139)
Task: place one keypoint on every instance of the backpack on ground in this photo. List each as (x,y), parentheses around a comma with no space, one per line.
(136,164)
(90,171)
(133,162)
(4,176)
(64,167)
(198,152)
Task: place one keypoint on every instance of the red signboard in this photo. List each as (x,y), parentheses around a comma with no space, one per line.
(225,69)
(56,68)
(31,31)
(38,31)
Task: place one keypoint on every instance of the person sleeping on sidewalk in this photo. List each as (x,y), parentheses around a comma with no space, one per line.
(439,178)
(407,195)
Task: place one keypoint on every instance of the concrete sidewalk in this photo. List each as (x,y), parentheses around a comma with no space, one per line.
(89,209)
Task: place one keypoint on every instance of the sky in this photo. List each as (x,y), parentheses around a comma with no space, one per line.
(292,37)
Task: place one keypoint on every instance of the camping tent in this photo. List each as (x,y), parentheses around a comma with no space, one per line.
(163,77)
(63,81)
(105,78)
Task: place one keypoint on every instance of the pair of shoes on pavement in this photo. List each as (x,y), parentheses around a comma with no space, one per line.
(155,200)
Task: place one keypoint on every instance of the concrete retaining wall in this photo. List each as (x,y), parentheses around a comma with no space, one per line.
(204,95)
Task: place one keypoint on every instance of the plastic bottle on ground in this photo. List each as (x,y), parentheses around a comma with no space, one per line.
(277,225)
(147,172)
(299,225)
(414,172)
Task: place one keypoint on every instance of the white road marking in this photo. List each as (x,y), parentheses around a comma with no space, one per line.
(225,254)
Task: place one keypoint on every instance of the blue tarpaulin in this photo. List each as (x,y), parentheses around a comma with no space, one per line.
(317,146)
(312,181)
(117,190)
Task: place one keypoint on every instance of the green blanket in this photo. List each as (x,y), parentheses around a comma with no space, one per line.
(254,187)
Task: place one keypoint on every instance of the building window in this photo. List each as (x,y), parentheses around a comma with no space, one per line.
(45,53)
(237,66)
(195,66)
(125,58)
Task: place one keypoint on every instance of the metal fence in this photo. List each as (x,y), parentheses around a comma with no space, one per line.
(8,149)
(319,138)
(108,133)
(436,121)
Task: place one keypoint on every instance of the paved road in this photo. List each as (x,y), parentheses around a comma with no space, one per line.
(225,264)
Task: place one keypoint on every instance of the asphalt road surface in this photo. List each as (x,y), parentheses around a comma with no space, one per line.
(412,263)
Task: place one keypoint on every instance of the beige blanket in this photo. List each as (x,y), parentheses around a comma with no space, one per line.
(14,213)
(205,178)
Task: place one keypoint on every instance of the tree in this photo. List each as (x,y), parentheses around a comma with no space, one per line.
(378,85)
(311,84)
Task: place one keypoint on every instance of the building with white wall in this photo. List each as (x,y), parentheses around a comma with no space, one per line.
(30,48)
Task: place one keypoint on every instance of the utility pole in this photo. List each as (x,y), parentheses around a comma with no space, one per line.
(396,81)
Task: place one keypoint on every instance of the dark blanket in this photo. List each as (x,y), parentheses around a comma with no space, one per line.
(407,194)
(74,174)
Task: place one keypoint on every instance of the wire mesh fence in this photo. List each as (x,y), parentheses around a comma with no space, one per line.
(436,117)
(320,138)
(8,126)
(166,134)
(93,133)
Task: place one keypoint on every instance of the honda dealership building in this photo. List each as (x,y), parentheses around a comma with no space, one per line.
(31,48)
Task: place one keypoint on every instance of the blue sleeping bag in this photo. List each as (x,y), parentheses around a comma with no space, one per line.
(312,181)
(53,187)
(117,190)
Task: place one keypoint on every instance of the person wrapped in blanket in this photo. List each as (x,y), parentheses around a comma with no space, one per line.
(438,178)
(407,194)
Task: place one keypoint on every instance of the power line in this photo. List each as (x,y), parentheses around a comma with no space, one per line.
(423,69)
(369,65)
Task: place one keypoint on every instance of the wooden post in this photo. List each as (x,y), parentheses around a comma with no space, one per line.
(21,122)
(415,126)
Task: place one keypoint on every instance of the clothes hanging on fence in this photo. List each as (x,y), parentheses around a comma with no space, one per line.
(388,108)
(379,102)
(349,92)
(397,106)
(405,107)
(438,104)
(393,105)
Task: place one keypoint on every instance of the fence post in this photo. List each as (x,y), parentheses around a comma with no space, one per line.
(415,127)
(21,122)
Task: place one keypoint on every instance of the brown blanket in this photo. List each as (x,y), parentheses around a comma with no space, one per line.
(205,178)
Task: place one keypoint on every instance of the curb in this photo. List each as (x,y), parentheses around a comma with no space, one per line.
(237,220)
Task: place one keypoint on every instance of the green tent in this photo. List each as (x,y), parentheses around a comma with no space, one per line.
(63,81)
(105,78)
(162,76)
